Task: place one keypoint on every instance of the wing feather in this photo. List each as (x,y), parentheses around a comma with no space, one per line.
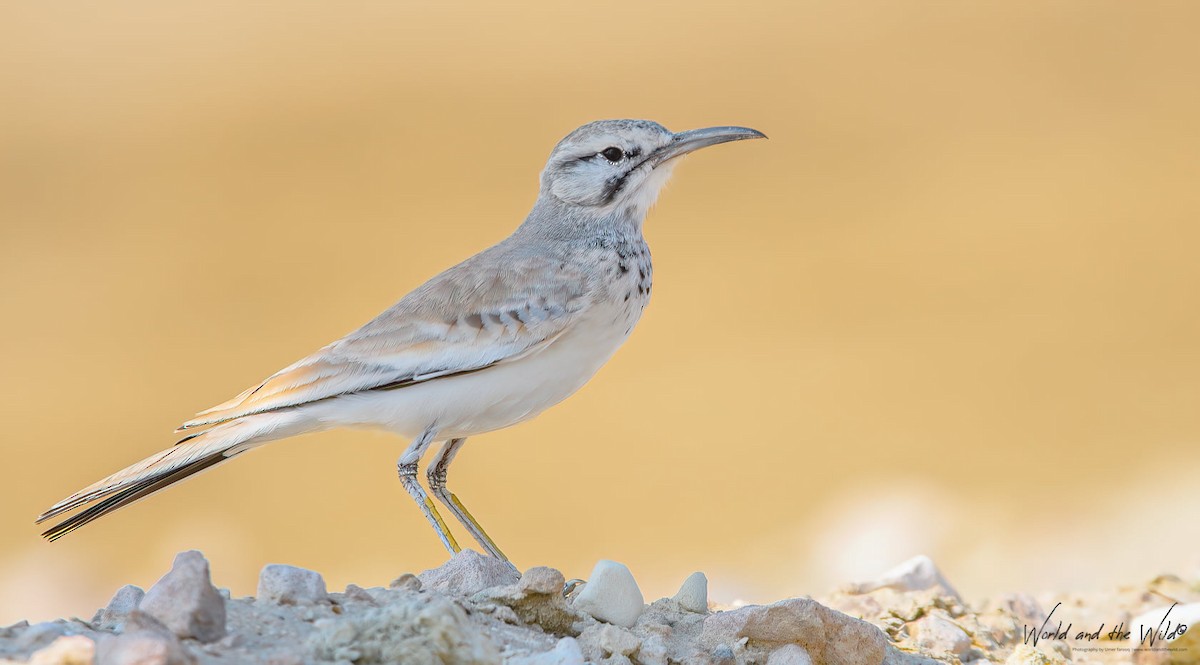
(482,312)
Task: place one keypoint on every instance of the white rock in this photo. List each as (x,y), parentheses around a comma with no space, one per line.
(68,650)
(536,599)
(611,595)
(617,641)
(124,601)
(468,573)
(40,635)
(1163,622)
(144,642)
(289,585)
(185,600)
(566,652)
(916,574)
(828,635)
(936,633)
(139,648)
(653,651)
(789,654)
(723,655)
(406,582)
(693,595)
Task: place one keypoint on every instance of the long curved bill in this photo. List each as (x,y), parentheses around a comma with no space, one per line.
(689,141)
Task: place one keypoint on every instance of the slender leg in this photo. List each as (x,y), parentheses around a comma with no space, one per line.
(436,473)
(407,467)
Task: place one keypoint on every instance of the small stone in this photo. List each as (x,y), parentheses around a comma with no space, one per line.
(653,651)
(614,640)
(916,574)
(536,599)
(124,601)
(185,600)
(611,595)
(139,649)
(144,642)
(789,654)
(359,594)
(828,635)
(467,573)
(693,595)
(541,580)
(67,650)
(39,635)
(289,585)
(406,582)
(723,655)
(937,634)
(565,652)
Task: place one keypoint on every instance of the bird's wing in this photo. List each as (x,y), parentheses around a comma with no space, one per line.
(475,315)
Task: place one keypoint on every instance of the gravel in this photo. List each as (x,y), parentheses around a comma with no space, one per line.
(476,610)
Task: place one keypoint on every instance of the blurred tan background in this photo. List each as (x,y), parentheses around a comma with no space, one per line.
(950,307)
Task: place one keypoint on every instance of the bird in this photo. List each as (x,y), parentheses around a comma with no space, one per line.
(484,345)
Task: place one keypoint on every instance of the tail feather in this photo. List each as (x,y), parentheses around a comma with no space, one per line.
(129,495)
(195,453)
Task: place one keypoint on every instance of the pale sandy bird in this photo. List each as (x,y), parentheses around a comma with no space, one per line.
(489,343)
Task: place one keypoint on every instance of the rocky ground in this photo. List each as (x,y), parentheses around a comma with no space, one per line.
(475,609)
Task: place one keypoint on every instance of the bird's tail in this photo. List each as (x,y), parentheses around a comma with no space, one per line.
(191,455)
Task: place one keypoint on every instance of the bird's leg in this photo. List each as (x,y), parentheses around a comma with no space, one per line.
(436,473)
(407,468)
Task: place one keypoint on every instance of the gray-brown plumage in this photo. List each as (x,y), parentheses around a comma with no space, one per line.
(484,345)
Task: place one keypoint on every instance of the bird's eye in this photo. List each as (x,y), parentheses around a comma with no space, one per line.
(613,154)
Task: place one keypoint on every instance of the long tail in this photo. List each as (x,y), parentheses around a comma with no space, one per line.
(193,454)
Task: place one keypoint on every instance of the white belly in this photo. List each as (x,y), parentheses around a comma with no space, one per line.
(494,398)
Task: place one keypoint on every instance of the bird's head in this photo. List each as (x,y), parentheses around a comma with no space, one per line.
(624,163)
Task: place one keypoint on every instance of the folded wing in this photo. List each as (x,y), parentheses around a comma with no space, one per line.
(473,316)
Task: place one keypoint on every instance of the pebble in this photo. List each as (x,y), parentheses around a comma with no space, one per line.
(406,582)
(611,595)
(693,595)
(289,585)
(653,651)
(536,599)
(39,635)
(936,633)
(67,650)
(357,593)
(124,601)
(617,641)
(789,654)
(916,574)
(467,573)
(139,649)
(565,652)
(144,642)
(541,580)
(186,601)
(828,635)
